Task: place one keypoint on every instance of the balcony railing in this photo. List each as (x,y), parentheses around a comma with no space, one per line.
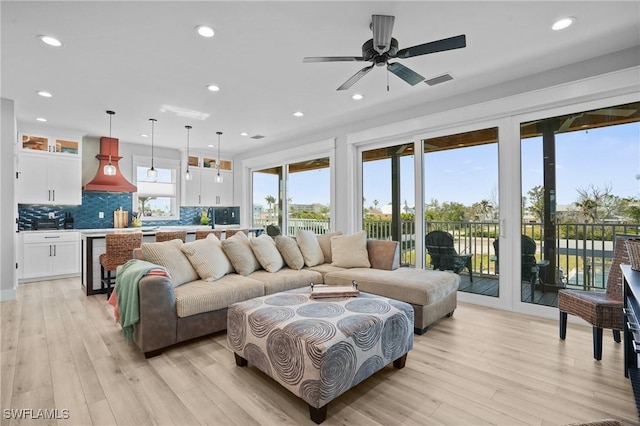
(583,250)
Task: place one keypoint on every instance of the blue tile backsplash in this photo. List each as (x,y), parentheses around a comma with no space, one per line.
(85,216)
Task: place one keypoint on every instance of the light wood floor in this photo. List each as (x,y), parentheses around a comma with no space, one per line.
(61,349)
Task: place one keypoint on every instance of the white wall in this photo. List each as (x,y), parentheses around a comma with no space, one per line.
(8,208)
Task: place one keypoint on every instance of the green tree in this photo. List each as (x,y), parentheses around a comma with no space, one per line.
(453,212)
(270,202)
(142,204)
(596,204)
(536,202)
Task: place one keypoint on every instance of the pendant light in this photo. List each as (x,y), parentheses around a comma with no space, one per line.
(109,169)
(187,175)
(218,177)
(152,173)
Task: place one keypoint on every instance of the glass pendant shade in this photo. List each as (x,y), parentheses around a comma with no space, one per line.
(218,177)
(152,173)
(187,175)
(109,169)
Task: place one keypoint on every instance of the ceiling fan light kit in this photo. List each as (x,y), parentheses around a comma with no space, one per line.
(383,47)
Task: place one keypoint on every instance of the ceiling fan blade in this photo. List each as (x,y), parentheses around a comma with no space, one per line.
(382,29)
(405,73)
(450,43)
(354,78)
(332,59)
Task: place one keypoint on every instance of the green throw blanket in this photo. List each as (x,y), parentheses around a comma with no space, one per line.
(127,291)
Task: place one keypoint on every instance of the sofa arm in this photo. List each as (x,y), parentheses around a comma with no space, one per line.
(158,324)
(384,254)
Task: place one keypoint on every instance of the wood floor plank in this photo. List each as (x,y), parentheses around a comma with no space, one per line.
(482,366)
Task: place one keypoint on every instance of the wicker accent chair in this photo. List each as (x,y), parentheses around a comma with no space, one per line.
(171,235)
(601,310)
(228,233)
(119,248)
(202,234)
(444,256)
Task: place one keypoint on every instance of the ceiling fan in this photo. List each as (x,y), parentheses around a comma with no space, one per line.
(382,48)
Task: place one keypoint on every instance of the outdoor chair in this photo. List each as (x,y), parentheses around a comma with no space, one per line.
(530,267)
(601,310)
(444,255)
(273,231)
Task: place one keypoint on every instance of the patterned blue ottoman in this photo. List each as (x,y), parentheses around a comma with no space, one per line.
(320,348)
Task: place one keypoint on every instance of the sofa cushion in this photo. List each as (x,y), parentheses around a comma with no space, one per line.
(350,251)
(207,258)
(238,250)
(418,286)
(169,255)
(290,251)
(286,279)
(325,244)
(310,247)
(325,268)
(266,252)
(201,296)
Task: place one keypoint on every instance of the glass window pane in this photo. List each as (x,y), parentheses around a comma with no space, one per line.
(461,199)
(267,203)
(308,196)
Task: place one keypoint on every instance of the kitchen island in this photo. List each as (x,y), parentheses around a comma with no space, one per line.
(93,245)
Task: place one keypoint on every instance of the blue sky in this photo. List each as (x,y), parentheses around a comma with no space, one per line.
(608,156)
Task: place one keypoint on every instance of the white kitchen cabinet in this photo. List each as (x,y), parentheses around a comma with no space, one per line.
(49,178)
(202,190)
(50,254)
(31,142)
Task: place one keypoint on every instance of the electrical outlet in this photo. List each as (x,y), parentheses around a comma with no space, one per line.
(100,215)
(52,215)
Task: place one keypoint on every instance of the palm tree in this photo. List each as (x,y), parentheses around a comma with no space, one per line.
(375,204)
(270,201)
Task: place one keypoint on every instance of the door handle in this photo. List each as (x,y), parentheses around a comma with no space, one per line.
(49,250)
(49,196)
(54,195)
(55,250)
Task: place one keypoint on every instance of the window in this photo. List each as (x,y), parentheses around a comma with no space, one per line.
(157,200)
(306,204)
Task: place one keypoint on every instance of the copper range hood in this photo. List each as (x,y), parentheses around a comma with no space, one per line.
(102,182)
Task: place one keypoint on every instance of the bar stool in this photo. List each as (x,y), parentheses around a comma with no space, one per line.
(119,251)
(171,235)
(202,234)
(228,233)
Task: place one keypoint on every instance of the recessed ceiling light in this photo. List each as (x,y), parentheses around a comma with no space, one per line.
(144,135)
(44,120)
(210,145)
(563,23)
(357,97)
(51,41)
(213,88)
(244,134)
(298,113)
(44,94)
(205,31)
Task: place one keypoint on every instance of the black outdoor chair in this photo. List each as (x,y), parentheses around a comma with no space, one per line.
(531,267)
(273,231)
(443,254)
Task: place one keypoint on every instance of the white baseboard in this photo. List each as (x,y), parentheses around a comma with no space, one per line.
(6,295)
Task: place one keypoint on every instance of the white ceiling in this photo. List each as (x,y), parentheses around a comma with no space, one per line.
(136,57)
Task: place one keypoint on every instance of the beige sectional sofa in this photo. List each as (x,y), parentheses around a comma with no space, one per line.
(171,313)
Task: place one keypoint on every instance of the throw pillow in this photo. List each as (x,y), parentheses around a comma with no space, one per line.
(169,255)
(266,252)
(325,244)
(238,250)
(207,258)
(310,248)
(290,251)
(350,251)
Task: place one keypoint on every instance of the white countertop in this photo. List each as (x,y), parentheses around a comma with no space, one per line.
(145,229)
